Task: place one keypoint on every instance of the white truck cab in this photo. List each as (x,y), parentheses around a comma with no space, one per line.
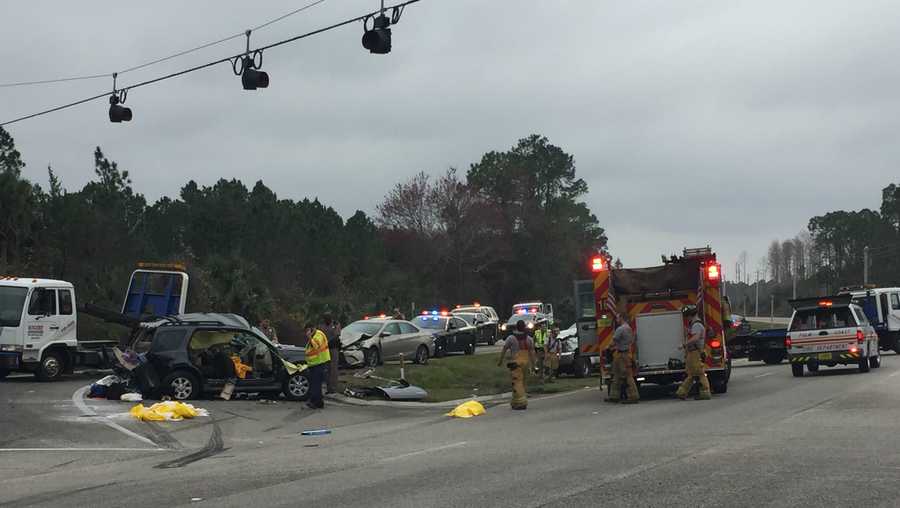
(39,319)
(38,326)
(830,331)
(882,308)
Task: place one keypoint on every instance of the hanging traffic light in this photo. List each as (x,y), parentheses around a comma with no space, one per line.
(378,39)
(252,79)
(117,112)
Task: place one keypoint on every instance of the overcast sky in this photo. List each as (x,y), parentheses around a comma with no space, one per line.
(727,123)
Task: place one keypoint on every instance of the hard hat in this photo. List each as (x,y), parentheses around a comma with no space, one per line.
(689,310)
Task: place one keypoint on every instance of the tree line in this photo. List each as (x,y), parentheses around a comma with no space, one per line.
(512,227)
(829,255)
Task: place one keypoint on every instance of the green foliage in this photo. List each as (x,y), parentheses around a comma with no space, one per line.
(513,228)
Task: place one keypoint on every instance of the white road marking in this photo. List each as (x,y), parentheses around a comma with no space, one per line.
(78,399)
(764,375)
(427,450)
(130,450)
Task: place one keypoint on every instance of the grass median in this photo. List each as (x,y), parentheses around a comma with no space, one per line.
(458,377)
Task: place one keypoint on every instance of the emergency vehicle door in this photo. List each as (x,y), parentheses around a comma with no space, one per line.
(893,313)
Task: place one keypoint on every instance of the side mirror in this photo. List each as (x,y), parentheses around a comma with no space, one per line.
(385,334)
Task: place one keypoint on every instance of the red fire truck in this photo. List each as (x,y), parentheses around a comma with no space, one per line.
(651,299)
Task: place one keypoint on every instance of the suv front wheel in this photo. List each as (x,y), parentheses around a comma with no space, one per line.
(181,385)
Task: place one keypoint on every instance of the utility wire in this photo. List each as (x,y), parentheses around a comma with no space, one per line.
(166,58)
(210,64)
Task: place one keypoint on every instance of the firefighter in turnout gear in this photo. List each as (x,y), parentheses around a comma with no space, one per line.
(623,366)
(694,356)
(521,353)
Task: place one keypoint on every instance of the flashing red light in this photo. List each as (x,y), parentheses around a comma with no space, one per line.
(597,264)
(715,344)
(713,272)
(365,317)
(854,349)
(860,337)
(424,312)
(520,311)
(533,310)
(444,313)
(382,315)
(787,342)
(477,304)
(825,303)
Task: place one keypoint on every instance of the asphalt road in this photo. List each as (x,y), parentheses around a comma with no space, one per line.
(772,440)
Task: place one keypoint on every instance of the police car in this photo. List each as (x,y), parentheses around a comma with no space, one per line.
(830,331)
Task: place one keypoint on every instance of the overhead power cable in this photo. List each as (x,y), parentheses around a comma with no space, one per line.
(165,58)
(397,8)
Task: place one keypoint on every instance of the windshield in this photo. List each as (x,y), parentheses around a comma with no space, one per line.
(12,301)
(822,319)
(521,317)
(431,323)
(362,327)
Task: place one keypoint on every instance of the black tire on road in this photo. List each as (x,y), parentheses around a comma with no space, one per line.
(51,368)
(373,357)
(797,369)
(421,355)
(582,367)
(875,362)
(718,384)
(470,348)
(773,358)
(864,364)
(296,387)
(813,367)
(181,385)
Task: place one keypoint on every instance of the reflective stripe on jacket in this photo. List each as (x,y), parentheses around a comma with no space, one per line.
(317,349)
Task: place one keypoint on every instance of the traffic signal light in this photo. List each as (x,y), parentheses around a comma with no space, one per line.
(252,79)
(378,39)
(117,112)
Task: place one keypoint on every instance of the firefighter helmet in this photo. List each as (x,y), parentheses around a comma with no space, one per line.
(689,310)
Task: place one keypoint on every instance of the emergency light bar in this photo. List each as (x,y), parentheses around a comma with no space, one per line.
(597,264)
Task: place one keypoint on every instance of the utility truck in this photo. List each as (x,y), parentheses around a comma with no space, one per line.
(882,308)
(39,319)
(651,300)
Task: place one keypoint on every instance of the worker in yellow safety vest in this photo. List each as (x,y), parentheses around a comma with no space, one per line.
(317,359)
(694,356)
(540,339)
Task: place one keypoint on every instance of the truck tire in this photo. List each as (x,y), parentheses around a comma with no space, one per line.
(773,358)
(797,369)
(813,366)
(51,367)
(864,364)
(582,367)
(718,384)
(875,362)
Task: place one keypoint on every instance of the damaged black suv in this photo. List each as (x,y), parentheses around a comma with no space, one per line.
(195,354)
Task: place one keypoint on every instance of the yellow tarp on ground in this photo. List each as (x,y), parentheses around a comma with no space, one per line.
(467,409)
(166,411)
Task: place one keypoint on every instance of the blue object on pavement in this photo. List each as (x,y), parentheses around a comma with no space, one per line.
(319,432)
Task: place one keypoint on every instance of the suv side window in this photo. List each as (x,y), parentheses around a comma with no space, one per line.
(408,328)
(167,340)
(895,301)
(458,323)
(43,302)
(65,302)
(393,328)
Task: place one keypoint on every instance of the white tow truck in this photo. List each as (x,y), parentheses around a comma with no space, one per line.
(39,321)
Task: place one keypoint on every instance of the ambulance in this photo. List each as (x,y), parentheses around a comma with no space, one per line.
(651,300)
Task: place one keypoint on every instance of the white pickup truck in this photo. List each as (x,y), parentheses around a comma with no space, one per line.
(830,331)
(39,321)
